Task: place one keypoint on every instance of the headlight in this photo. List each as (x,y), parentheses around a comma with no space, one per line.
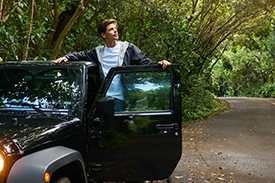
(9,153)
(2,163)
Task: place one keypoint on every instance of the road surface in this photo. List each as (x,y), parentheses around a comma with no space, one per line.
(237,145)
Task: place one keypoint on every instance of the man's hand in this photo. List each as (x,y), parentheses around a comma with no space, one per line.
(164,64)
(61,59)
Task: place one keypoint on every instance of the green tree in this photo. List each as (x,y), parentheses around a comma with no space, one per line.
(201,35)
(252,63)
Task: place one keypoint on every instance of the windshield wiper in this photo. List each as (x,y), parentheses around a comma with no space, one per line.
(33,106)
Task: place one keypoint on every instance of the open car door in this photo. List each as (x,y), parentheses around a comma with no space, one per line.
(138,136)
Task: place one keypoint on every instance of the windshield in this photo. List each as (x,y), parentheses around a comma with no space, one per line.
(41,89)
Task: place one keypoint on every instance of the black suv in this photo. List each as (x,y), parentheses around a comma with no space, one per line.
(57,124)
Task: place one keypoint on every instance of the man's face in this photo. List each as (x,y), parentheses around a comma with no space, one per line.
(111,33)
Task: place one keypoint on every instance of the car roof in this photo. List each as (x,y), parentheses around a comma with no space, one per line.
(48,63)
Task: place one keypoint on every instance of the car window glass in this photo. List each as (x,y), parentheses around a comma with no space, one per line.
(141,91)
(57,88)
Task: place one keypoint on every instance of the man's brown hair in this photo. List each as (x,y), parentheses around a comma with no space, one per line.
(103,25)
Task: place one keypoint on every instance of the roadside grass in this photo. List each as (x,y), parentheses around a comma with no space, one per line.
(198,102)
(216,106)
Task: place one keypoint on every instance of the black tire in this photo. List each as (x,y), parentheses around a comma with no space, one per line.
(61,180)
(169,180)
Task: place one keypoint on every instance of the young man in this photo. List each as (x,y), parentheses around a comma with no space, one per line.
(128,54)
(114,53)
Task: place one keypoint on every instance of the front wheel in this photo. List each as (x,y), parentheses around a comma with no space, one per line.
(61,180)
(167,180)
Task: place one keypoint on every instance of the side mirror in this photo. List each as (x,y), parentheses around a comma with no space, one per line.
(105,106)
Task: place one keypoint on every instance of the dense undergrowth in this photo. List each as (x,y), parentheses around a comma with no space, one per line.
(265,91)
(216,107)
(198,102)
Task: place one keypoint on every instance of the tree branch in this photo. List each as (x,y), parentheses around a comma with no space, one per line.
(85,28)
(202,10)
(55,23)
(29,30)
(80,9)
(1,8)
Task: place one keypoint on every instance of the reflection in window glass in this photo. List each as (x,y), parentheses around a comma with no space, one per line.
(48,89)
(144,91)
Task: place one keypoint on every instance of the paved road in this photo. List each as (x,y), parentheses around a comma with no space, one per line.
(235,146)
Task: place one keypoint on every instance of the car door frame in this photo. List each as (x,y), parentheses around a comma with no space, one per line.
(159,168)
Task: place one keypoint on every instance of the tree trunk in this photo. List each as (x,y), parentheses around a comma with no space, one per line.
(29,30)
(4,10)
(55,23)
(80,9)
(36,45)
(1,8)
(88,23)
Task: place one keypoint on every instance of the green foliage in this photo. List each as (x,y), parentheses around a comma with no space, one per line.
(191,33)
(265,91)
(252,60)
(198,102)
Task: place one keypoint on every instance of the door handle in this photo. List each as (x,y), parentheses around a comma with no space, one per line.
(165,127)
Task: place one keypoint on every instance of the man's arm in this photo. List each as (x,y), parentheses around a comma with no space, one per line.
(165,64)
(61,59)
(78,56)
(137,57)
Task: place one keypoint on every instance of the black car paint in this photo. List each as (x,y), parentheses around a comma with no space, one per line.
(27,133)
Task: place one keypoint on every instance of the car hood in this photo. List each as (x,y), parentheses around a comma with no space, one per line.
(30,133)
